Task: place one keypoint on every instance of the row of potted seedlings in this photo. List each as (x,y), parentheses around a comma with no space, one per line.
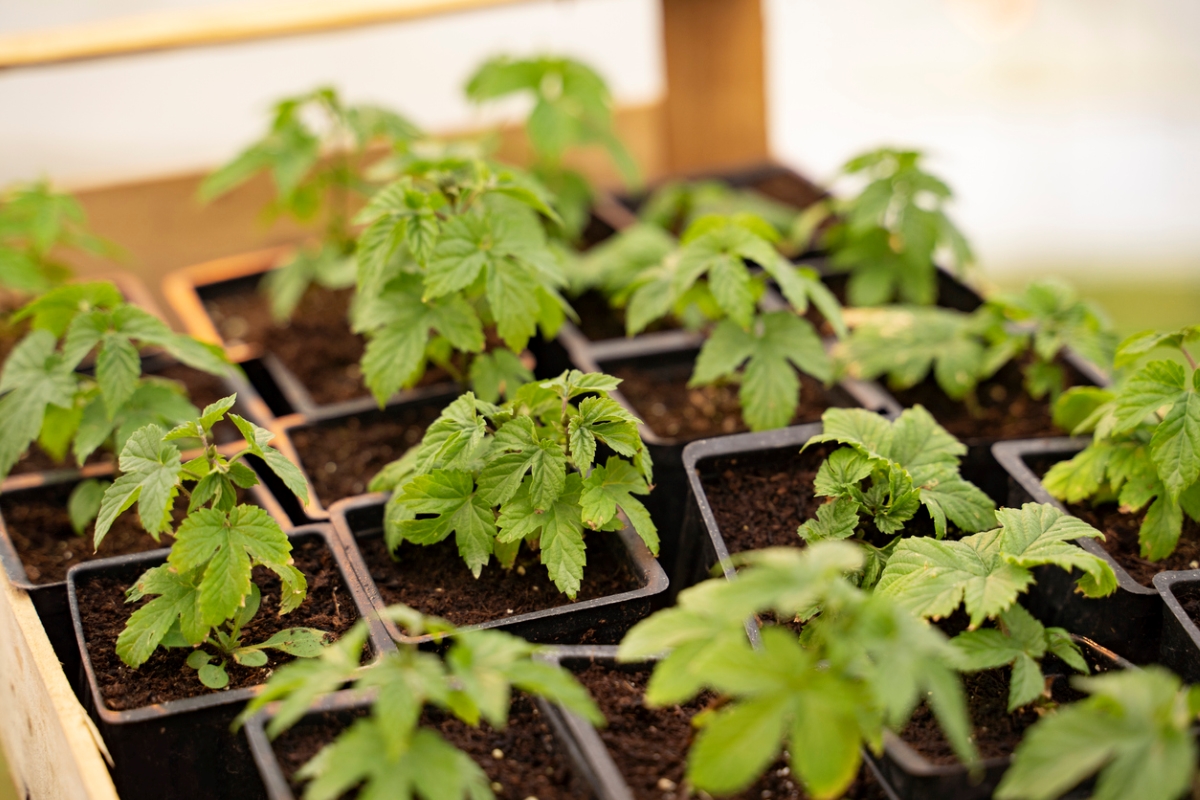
(457,279)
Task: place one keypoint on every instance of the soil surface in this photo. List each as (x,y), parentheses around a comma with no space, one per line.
(434,580)
(599,321)
(532,763)
(40,529)
(328,607)
(317,344)
(996,732)
(1008,412)
(1121,534)
(673,411)
(760,499)
(1188,595)
(341,457)
(1121,541)
(650,746)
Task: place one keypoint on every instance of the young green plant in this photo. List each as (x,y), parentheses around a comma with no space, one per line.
(986,573)
(36,225)
(572,109)
(204,595)
(389,753)
(882,478)
(708,278)
(1145,449)
(526,471)
(860,665)
(675,205)
(889,234)
(1136,729)
(961,349)
(316,150)
(48,398)
(455,271)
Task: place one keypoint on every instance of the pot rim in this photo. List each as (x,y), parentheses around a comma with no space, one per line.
(344,564)
(647,570)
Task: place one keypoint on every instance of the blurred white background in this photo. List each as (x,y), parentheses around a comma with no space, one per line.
(1070,129)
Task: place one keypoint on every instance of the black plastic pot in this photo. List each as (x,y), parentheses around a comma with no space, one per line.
(347,705)
(669,500)
(183,748)
(602,619)
(911,777)
(365,409)
(1129,620)
(701,546)
(596,761)
(1179,649)
(50,599)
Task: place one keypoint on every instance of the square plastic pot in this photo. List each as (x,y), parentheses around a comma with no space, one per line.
(50,599)
(1129,621)
(669,500)
(909,776)
(183,749)
(603,618)
(437,397)
(1179,648)
(701,545)
(595,761)
(348,704)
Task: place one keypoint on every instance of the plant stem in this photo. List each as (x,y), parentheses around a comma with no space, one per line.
(1188,356)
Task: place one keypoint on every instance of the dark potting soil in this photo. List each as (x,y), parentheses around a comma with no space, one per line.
(40,529)
(787,189)
(650,746)
(673,411)
(599,321)
(316,344)
(341,457)
(760,500)
(532,762)
(328,607)
(1007,410)
(996,732)
(1188,595)
(1121,541)
(434,580)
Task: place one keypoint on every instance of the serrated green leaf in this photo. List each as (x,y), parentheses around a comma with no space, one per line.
(611,487)
(836,520)
(258,443)
(498,374)
(150,470)
(33,379)
(176,603)
(1175,446)
(1157,385)
(451,496)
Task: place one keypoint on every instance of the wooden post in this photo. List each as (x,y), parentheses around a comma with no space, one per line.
(716,114)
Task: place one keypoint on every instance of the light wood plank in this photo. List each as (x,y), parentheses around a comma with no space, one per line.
(716,111)
(48,739)
(215,25)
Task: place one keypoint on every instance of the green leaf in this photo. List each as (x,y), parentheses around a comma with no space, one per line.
(34,378)
(561,531)
(1137,345)
(55,309)
(298,642)
(1133,730)
(1175,446)
(611,487)
(1158,385)
(988,570)
(498,374)
(150,470)
(453,437)
(214,676)
(223,547)
(736,744)
(517,451)
(84,503)
(394,358)
(117,369)
(836,520)
(451,496)
(1160,528)
(257,442)
(175,603)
